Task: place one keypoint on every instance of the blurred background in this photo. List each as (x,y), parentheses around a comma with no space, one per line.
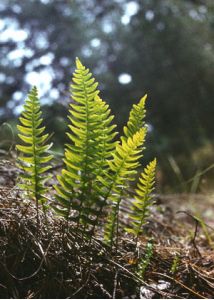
(164,48)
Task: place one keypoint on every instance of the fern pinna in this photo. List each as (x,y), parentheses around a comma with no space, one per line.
(33,152)
(90,145)
(143,200)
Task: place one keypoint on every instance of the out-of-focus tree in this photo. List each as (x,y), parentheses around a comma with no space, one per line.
(39,40)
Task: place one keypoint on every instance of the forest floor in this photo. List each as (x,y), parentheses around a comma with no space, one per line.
(51,261)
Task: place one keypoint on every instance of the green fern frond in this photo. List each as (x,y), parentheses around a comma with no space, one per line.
(135,124)
(136,118)
(143,199)
(33,152)
(123,167)
(91,142)
(106,146)
(106,134)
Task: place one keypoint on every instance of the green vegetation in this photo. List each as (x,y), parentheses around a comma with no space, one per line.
(33,155)
(143,200)
(123,168)
(91,144)
(97,169)
(175,264)
(145,261)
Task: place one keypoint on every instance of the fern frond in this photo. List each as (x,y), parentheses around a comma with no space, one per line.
(106,134)
(123,167)
(143,199)
(33,152)
(106,146)
(135,124)
(136,118)
(90,144)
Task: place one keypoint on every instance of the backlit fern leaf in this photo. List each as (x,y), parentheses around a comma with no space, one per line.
(143,199)
(106,146)
(135,124)
(136,118)
(33,156)
(123,167)
(91,140)
(106,134)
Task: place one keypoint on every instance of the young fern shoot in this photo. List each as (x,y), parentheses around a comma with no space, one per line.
(143,200)
(33,152)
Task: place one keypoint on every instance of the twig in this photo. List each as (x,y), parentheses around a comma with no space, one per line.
(115,284)
(104,291)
